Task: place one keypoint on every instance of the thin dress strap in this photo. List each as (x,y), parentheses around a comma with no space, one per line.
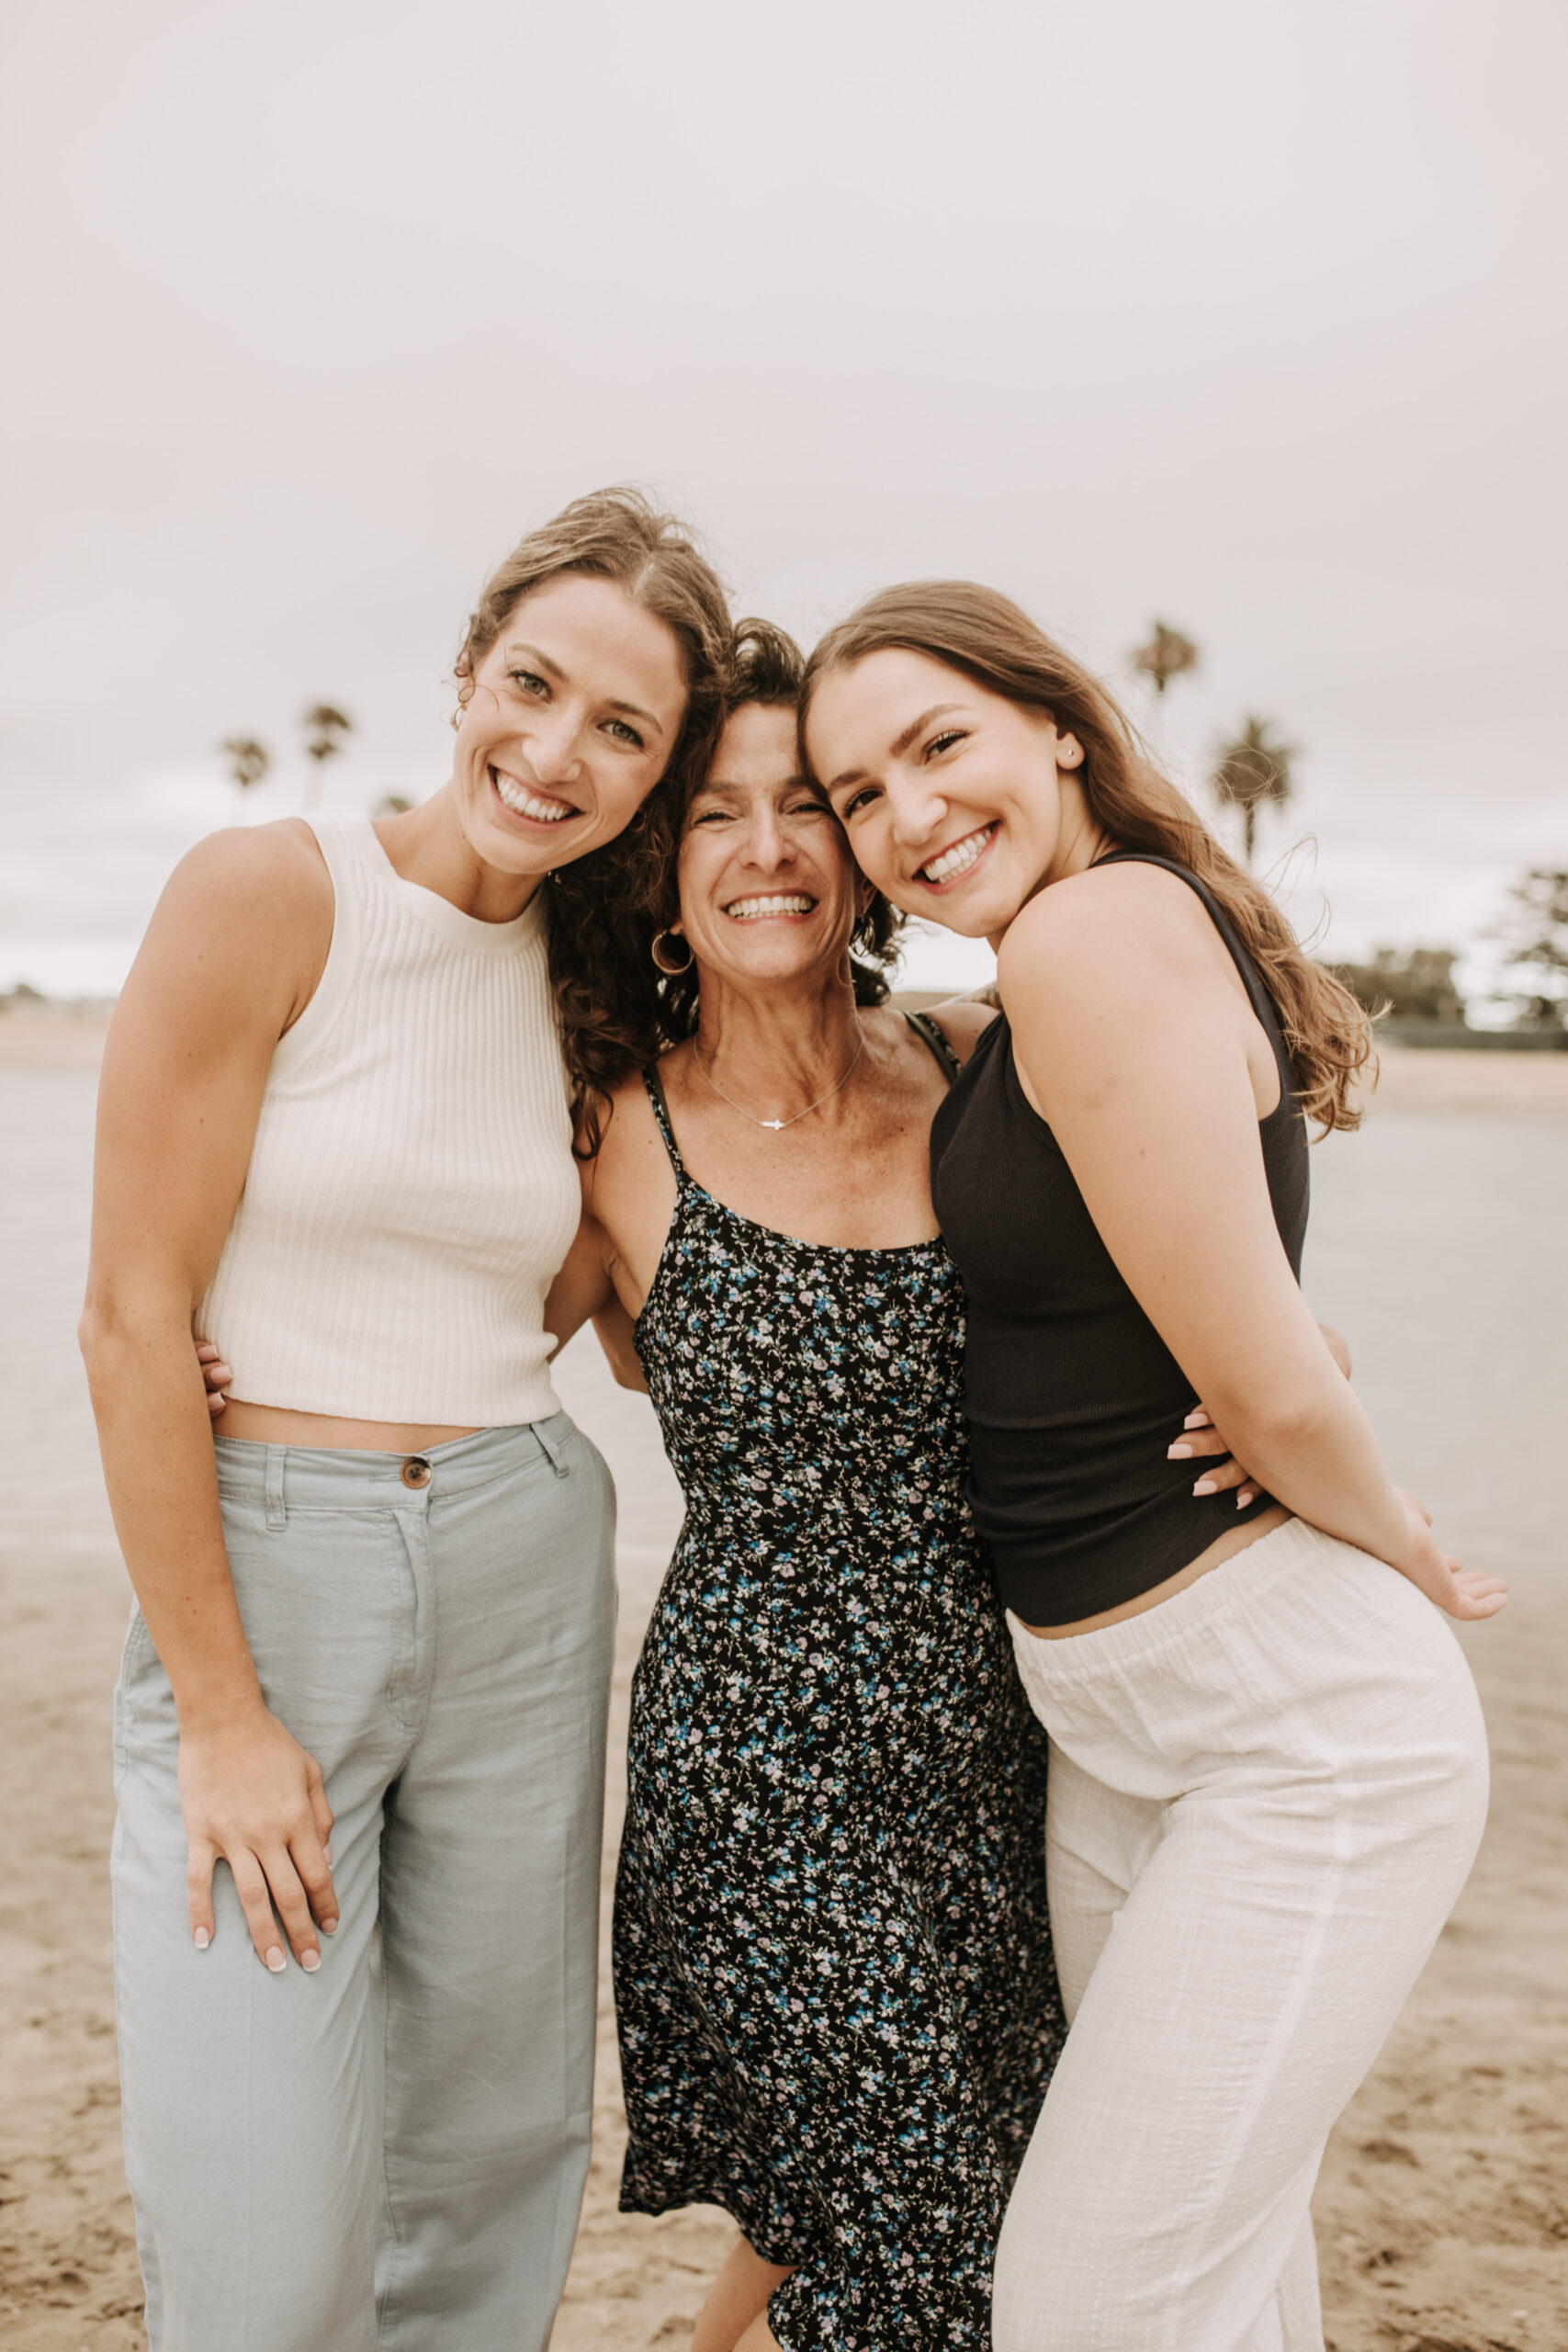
(931,1033)
(655,1086)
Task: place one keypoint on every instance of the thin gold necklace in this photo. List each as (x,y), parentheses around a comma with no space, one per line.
(777,1126)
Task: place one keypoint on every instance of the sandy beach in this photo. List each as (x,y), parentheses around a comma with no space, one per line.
(1443,2208)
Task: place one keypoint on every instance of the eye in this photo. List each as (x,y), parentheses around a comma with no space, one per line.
(859,802)
(710,817)
(941,743)
(623,733)
(529,681)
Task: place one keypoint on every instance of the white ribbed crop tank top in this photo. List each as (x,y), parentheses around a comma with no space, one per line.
(411,1191)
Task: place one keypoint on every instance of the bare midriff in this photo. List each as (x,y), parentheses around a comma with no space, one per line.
(1224,1547)
(274,1425)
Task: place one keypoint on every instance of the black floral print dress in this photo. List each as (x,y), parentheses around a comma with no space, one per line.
(837,2004)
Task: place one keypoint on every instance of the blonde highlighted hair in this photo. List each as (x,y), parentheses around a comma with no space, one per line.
(988,637)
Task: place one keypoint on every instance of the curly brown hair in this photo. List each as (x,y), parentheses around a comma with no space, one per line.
(985,636)
(617,1010)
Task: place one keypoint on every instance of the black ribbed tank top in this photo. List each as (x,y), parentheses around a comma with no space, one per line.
(1071,1394)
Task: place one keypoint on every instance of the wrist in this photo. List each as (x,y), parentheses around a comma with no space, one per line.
(210,1710)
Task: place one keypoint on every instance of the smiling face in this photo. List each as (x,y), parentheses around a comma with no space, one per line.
(958,804)
(567,725)
(768,889)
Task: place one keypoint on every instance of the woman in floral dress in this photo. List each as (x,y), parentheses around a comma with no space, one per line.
(836,2003)
(833,1978)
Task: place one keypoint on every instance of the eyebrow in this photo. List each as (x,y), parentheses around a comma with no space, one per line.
(541,660)
(900,744)
(732,785)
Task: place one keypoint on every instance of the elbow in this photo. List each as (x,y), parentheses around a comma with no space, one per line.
(96,1331)
(116,1335)
(1272,1423)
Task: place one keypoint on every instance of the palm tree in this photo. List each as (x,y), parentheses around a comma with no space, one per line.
(1165,655)
(1253,767)
(324,728)
(248,760)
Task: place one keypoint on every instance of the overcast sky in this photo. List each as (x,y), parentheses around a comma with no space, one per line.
(1249,315)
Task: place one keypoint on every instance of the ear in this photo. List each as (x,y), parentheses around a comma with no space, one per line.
(1069,752)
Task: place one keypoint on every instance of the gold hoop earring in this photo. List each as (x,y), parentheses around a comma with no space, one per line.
(661,954)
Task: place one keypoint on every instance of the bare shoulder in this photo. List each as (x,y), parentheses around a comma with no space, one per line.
(963,1021)
(1128,926)
(629,1142)
(240,935)
(250,870)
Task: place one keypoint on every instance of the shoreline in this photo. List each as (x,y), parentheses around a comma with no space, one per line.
(1443,1080)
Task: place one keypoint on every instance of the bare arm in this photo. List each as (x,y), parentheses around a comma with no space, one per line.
(1142,1055)
(230,958)
(584,1291)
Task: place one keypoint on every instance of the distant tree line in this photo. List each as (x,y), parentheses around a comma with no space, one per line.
(1417,983)
(1254,770)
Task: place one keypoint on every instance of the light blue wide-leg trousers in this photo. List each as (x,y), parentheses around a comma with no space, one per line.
(390,2153)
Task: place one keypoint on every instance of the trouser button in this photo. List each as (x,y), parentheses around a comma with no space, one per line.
(417,1471)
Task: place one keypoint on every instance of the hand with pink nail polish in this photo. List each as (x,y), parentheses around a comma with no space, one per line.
(1199,1439)
(253,1798)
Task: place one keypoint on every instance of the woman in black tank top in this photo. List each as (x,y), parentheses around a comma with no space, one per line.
(1268,1769)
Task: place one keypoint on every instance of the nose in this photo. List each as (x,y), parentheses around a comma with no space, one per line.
(767,844)
(916,810)
(553,746)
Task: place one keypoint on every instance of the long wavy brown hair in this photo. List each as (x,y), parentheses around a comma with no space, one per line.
(617,1009)
(983,634)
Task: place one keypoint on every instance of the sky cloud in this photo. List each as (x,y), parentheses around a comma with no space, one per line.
(1251,318)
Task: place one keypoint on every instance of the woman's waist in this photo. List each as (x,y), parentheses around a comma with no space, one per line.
(280,1425)
(725,1459)
(417,1365)
(317,1474)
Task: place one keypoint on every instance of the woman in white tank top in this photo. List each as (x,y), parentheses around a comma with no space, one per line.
(334,1132)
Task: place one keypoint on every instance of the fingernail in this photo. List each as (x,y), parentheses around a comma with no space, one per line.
(327,1856)
(1205,1487)
(310,1962)
(275,1961)
(1243,1500)
(202,1940)
(1179,1453)
(1197,1419)
(329,1926)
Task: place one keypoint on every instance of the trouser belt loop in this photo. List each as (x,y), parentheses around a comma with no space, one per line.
(275,1515)
(551,1448)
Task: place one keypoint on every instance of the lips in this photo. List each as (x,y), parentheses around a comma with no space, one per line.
(540,807)
(792,902)
(954,861)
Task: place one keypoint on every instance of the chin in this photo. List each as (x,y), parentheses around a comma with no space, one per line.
(967,923)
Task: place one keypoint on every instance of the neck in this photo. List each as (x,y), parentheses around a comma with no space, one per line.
(1080,840)
(428,846)
(776,1048)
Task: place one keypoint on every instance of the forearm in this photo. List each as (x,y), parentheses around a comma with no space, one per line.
(1320,1458)
(615,1331)
(156,1441)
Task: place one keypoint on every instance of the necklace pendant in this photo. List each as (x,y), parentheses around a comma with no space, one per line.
(774,1123)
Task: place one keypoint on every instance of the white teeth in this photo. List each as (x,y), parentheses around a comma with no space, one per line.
(744,907)
(958,859)
(527,804)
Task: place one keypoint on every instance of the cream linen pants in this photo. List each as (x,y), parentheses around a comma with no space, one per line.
(1266,1795)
